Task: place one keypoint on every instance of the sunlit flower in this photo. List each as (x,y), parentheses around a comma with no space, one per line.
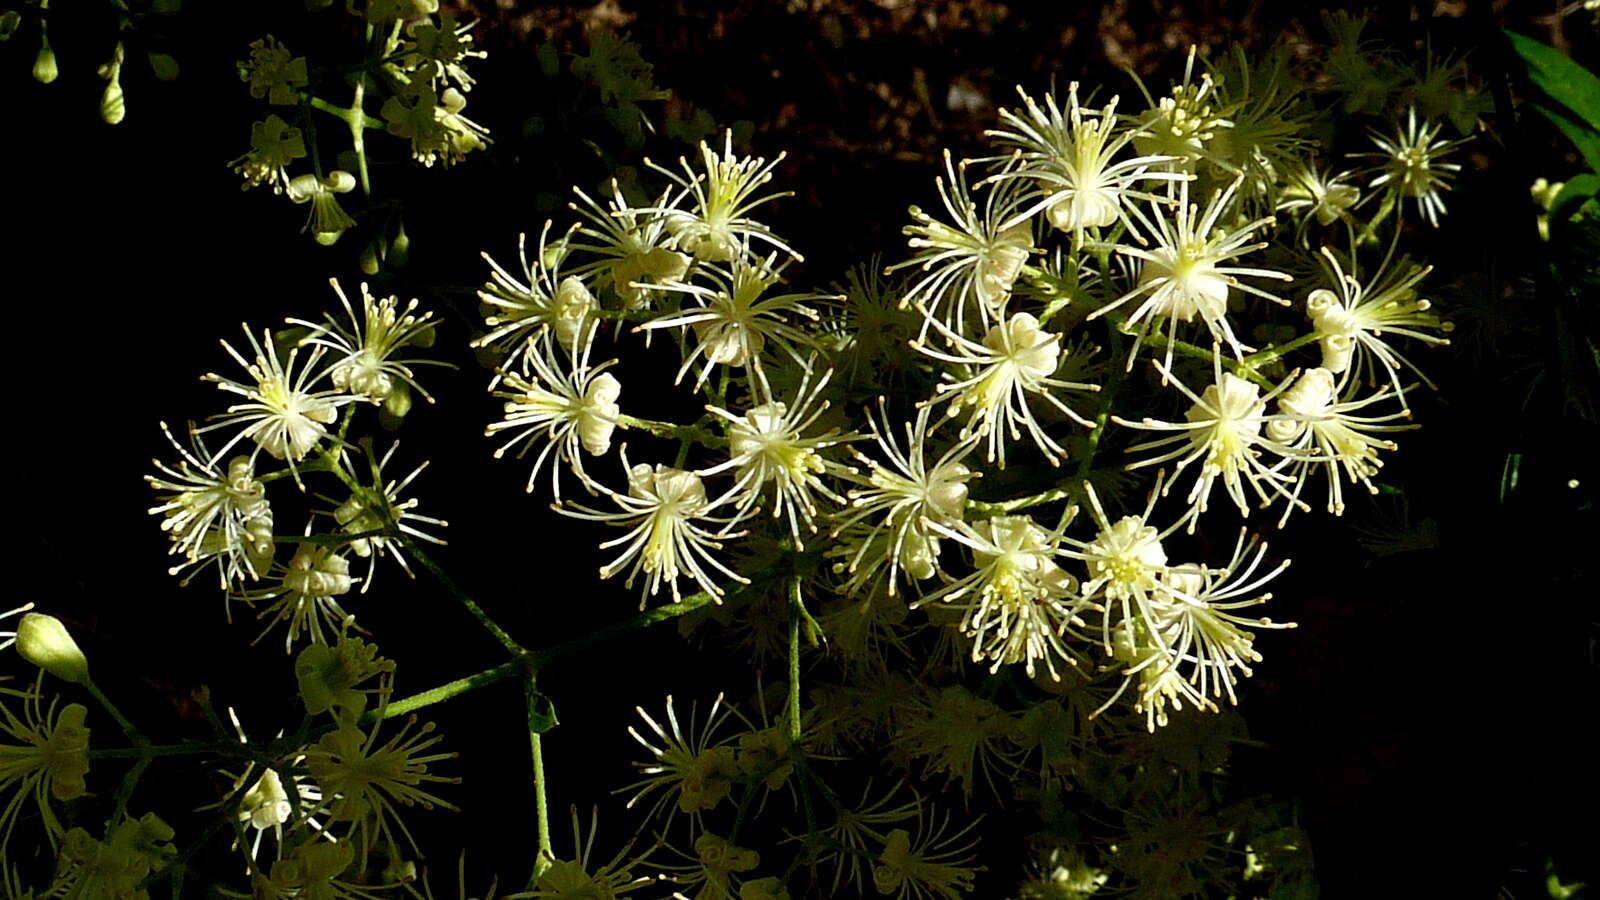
(1321,431)
(733,321)
(767,444)
(365,349)
(1222,431)
(212,514)
(1017,603)
(375,511)
(1070,153)
(716,226)
(529,308)
(305,594)
(1411,167)
(1352,320)
(1180,124)
(1310,193)
(1184,274)
(633,244)
(560,413)
(432,120)
(972,263)
(1194,646)
(663,511)
(902,497)
(282,415)
(1127,567)
(446,44)
(1011,367)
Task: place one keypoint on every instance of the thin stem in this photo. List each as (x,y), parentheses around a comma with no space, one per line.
(546,852)
(538,659)
(796,607)
(1274,353)
(354,117)
(452,689)
(416,553)
(1102,415)
(1184,348)
(662,429)
(358,132)
(127,727)
(1002,507)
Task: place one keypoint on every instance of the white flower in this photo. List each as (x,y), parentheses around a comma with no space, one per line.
(902,498)
(766,444)
(326,218)
(663,511)
(365,365)
(1184,274)
(370,510)
(1017,604)
(1012,365)
(213,514)
(281,414)
(305,594)
(1324,198)
(734,322)
(1180,124)
(1410,165)
(1318,429)
(1222,432)
(634,240)
(718,227)
(274,145)
(265,805)
(1194,646)
(540,302)
(560,411)
(973,263)
(1351,322)
(1071,155)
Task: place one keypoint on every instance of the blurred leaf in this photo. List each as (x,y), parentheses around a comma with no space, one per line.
(1586,139)
(1565,81)
(1577,189)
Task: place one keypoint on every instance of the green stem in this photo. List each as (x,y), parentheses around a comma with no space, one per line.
(1272,354)
(127,727)
(546,852)
(354,117)
(452,689)
(1184,348)
(796,606)
(538,659)
(1102,416)
(416,553)
(357,134)
(663,429)
(981,508)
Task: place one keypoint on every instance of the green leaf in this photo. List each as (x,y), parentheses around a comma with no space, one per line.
(1577,189)
(1586,139)
(1565,81)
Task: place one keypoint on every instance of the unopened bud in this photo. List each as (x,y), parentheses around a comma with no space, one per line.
(44,641)
(44,65)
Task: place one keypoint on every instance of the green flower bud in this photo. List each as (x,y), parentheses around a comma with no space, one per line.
(44,65)
(9,20)
(44,641)
(164,66)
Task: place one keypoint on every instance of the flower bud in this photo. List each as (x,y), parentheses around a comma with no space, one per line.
(44,65)
(9,21)
(44,641)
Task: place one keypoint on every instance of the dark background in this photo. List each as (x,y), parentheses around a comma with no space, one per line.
(1430,713)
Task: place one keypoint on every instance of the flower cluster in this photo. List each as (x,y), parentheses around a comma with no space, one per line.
(296,385)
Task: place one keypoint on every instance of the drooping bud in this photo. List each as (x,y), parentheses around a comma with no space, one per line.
(44,641)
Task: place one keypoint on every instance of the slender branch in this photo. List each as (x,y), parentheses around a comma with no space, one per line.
(452,689)
(465,599)
(546,853)
(795,608)
(982,508)
(538,659)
